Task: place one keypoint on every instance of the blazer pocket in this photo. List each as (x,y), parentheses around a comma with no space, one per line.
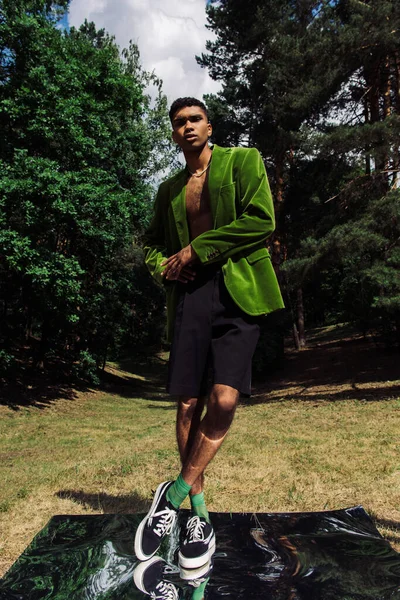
(257,255)
(228,192)
(226,186)
(226,209)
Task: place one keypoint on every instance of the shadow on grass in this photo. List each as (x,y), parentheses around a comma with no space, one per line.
(134,378)
(332,333)
(335,366)
(144,377)
(106,503)
(40,390)
(388,523)
(338,364)
(389,526)
(330,395)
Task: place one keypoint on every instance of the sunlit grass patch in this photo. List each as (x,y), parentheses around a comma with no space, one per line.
(106,453)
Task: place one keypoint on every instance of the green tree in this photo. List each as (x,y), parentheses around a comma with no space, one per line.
(80,144)
(315,86)
(359,130)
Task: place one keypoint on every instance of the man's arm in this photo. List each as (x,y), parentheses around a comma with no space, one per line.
(154,241)
(252,227)
(155,252)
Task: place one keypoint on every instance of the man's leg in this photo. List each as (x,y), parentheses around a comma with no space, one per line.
(199,542)
(211,431)
(207,440)
(187,424)
(208,434)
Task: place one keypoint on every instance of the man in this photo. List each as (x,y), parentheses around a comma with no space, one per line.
(206,245)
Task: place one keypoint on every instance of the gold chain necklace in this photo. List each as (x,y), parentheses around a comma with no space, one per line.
(203,171)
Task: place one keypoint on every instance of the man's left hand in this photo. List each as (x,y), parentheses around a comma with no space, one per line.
(175,263)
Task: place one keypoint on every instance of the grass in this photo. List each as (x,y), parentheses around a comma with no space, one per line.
(104,452)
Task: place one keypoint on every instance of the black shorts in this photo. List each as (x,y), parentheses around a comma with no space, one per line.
(210,331)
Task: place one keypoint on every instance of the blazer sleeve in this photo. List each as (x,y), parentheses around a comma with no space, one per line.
(154,245)
(255,223)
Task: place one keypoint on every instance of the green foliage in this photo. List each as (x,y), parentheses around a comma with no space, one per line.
(86,368)
(266,59)
(7,363)
(366,252)
(81,146)
(315,86)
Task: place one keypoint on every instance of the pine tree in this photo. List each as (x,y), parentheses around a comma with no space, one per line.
(315,86)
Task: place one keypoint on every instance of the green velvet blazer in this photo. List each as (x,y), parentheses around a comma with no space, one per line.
(243,216)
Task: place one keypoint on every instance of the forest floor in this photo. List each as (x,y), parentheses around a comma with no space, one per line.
(321,434)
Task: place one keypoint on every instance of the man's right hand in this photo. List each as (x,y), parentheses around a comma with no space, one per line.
(178,267)
(186,274)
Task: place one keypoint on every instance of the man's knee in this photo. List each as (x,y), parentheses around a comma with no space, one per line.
(223,401)
(187,407)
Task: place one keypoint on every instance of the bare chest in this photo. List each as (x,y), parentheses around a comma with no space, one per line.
(197,196)
(198,208)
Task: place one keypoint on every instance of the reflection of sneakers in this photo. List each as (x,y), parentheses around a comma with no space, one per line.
(158,523)
(198,579)
(198,545)
(148,578)
(195,577)
(199,587)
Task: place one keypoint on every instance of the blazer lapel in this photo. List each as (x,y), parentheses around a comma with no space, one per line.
(219,163)
(178,204)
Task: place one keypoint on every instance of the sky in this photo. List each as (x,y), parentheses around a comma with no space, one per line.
(169,33)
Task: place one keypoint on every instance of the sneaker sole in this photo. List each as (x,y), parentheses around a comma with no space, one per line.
(140,570)
(198,561)
(139,532)
(194,574)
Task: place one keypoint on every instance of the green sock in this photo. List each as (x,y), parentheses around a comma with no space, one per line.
(178,492)
(199,506)
(198,593)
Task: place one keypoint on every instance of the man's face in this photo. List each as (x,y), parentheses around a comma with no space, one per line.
(190,128)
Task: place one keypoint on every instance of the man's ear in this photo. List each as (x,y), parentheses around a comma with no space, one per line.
(209,129)
(173,136)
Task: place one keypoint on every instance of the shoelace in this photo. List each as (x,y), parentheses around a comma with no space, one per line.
(166,522)
(196,582)
(168,591)
(195,529)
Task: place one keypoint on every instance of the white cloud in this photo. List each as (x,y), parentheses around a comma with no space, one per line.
(169,33)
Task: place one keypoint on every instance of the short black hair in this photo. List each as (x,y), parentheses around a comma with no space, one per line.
(183,102)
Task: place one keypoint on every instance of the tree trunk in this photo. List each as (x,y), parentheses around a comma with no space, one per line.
(43,346)
(276,239)
(28,326)
(300,318)
(4,323)
(396,108)
(279,168)
(387,109)
(387,105)
(373,92)
(375,76)
(367,148)
(105,358)
(396,82)
(296,340)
